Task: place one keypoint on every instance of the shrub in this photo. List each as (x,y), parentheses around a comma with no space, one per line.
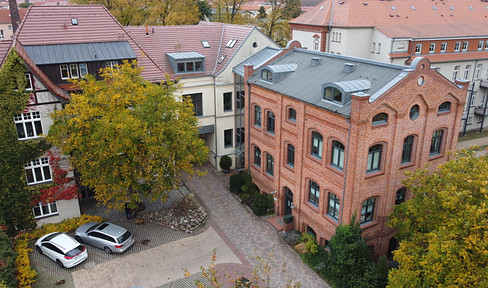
(261,204)
(317,261)
(240,182)
(310,243)
(25,275)
(225,162)
(7,261)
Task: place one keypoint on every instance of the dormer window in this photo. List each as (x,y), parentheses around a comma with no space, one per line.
(333,94)
(187,62)
(266,75)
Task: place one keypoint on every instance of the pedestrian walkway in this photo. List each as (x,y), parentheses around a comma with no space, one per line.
(249,235)
(474,142)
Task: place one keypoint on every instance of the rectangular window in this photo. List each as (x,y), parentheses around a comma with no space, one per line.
(334,206)
(257,156)
(481,43)
(457,46)
(418,48)
(477,72)
(111,64)
(313,193)
(228,138)
(2,35)
(337,155)
(270,122)
(43,210)
(64,71)
(73,69)
(28,125)
(374,158)
(466,72)
(465,45)
(432,48)
(400,196)
(198,66)
(196,100)
(257,116)
(38,171)
(28,85)
(269,164)
(240,100)
(292,115)
(180,67)
(317,142)
(83,69)
(443,47)
(228,101)
(367,211)
(470,120)
(473,98)
(290,155)
(435,145)
(407,149)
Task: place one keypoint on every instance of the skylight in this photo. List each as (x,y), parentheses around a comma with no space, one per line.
(393,8)
(471,8)
(231,43)
(433,7)
(205,44)
(412,7)
(222,58)
(74,21)
(452,8)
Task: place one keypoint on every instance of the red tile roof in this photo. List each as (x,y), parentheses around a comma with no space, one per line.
(396,17)
(4,48)
(453,57)
(47,25)
(187,38)
(5,15)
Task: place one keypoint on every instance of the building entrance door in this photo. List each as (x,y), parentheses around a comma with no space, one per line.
(288,201)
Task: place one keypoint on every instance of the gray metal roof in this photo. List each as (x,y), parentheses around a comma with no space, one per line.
(85,52)
(283,68)
(257,60)
(206,129)
(307,81)
(185,55)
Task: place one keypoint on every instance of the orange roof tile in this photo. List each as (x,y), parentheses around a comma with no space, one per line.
(453,57)
(187,38)
(397,16)
(5,15)
(4,49)
(47,25)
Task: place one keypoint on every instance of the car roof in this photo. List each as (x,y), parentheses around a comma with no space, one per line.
(111,229)
(64,242)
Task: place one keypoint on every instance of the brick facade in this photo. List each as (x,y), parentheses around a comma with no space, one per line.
(351,184)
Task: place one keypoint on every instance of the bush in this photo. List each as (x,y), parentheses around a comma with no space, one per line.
(7,261)
(261,204)
(240,182)
(317,261)
(225,162)
(25,275)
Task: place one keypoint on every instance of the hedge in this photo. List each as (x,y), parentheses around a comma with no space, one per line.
(7,261)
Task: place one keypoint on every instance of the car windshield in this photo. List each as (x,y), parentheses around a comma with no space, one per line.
(48,238)
(124,237)
(76,251)
(92,227)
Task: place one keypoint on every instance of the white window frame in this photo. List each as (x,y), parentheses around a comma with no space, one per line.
(83,70)
(37,168)
(28,86)
(64,67)
(457,46)
(467,70)
(2,35)
(481,43)
(477,72)
(28,120)
(418,48)
(465,46)
(432,48)
(45,209)
(73,71)
(443,47)
(455,73)
(111,64)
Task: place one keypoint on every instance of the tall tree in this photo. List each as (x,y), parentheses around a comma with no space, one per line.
(443,229)
(15,205)
(275,25)
(127,12)
(292,9)
(205,10)
(172,12)
(227,11)
(128,138)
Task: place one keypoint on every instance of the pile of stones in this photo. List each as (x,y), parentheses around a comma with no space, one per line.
(187,215)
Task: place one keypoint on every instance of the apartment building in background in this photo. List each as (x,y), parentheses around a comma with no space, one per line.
(331,136)
(452,34)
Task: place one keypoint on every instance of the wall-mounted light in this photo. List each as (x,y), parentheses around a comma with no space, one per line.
(275,199)
(292,207)
(273,192)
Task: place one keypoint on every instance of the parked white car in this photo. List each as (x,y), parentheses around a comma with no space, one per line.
(107,236)
(62,249)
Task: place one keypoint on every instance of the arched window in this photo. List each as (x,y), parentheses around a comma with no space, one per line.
(292,114)
(257,115)
(367,210)
(257,156)
(400,195)
(374,158)
(290,155)
(455,73)
(466,72)
(332,94)
(269,164)
(266,75)
(380,118)
(436,143)
(270,122)
(444,107)
(334,206)
(407,149)
(337,155)
(317,142)
(414,112)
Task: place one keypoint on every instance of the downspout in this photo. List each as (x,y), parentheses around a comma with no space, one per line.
(345,169)
(215,98)
(248,134)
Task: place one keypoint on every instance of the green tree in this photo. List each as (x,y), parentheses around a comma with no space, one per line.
(292,9)
(275,24)
(24,5)
(127,12)
(262,13)
(172,12)
(349,252)
(227,11)
(128,138)
(443,229)
(205,10)
(15,204)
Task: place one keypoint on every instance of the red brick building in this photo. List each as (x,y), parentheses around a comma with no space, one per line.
(332,136)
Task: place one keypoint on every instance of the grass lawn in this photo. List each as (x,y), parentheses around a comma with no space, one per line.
(470,135)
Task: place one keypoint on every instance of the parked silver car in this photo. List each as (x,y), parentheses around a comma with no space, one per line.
(62,249)
(107,236)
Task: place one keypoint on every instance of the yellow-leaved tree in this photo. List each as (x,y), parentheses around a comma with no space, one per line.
(127,137)
(443,230)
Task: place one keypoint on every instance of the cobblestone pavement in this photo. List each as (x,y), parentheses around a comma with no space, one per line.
(249,235)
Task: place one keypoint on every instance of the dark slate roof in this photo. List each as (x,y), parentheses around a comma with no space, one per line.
(257,59)
(83,52)
(306,82)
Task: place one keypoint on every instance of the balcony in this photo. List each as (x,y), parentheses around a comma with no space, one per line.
(484,84)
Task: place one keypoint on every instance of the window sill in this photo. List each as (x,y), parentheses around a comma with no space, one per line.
(406,165)
(315,158)
(269,175)
(272,134)
(336,169)
(290,167)
(228,146)
(256,167)
(40,183)
(257,127)
(379,125)
(435,156)
(312,206)
(45,216)
(443,112)
(294,123)
(374,173)
(332,219)
(226,111)
(368,224)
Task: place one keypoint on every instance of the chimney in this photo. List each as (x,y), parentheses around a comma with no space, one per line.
(14,14)
(315,61)
(348,67)
(147,30)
